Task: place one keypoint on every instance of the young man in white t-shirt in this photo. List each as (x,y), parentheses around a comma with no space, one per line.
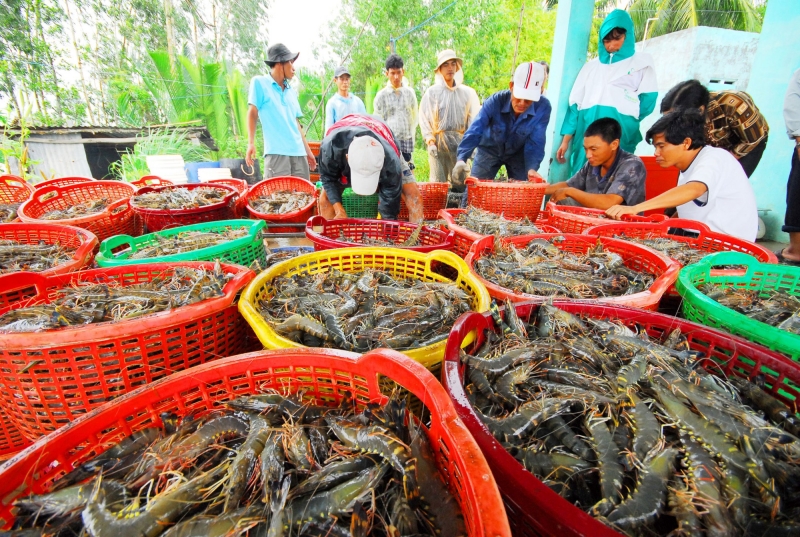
(712,187)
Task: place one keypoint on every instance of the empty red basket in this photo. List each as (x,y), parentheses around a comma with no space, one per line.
(706,240)
(325,377)
(116,219)
(50,378)
(348,232)
(568,219)
(158,219)
(635,257)
(278,184)
(434,199)
(514,200)
(534,510)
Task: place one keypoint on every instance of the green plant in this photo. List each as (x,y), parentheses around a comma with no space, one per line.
(13,148)
(423,169)
(133,164)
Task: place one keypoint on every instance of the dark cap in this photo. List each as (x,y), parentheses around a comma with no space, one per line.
(279,53)
(341,70)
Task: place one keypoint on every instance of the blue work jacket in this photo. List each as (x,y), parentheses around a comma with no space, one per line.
(502,139)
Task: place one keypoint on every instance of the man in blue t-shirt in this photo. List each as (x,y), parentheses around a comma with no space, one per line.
(343,103)
(275,103)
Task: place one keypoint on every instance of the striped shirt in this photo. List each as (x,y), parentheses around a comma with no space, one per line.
(734,123)
(398,108)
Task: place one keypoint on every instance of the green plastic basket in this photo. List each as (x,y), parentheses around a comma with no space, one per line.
(759,276)
(115,251)
(359,206)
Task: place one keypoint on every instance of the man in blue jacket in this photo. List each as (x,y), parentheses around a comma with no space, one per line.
(509,130)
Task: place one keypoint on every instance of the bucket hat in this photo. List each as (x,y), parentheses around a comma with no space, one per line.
(447,55)
(279,53)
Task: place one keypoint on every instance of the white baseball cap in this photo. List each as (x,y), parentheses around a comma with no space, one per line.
(365,156)
(528,80)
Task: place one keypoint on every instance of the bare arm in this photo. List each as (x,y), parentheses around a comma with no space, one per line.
(593,201)
(671,198)
(252,119)
(551,189)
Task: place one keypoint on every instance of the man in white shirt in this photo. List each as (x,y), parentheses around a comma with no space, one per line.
(712,187)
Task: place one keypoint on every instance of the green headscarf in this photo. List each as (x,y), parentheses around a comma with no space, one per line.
(618,18)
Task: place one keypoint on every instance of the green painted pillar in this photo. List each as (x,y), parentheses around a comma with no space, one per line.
(570,43)
(777,57)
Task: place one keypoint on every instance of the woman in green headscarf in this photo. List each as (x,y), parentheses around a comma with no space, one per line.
(620,84)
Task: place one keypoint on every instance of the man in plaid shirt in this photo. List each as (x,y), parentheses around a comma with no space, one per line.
(397,106)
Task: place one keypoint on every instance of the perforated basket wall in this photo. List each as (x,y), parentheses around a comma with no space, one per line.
(47,379)
(434,199)
(514,200)
(534,510)
(62,181)
(578,219)
(352,232)
(360,206)
(635,256)
(158,219)
(14,189)
(278,184)
(151,180)
(241,186)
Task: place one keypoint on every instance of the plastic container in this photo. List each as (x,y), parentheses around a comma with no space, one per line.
(569,219)
(14,189)
(275,254)
(465,238)
(360,206)
(158,219)
(116,251)
(62,181)
(50,378)
(757,276)
(277,184)
(659,180)
(404,263)
(434,199)
(514,200)
(706,240)
(118,218)
(11,438)
(635,257)
(326,377)
(533,508)
(151,180)
(240,185)
(192,167)
(341,234)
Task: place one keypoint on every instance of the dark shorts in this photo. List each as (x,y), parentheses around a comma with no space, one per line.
(407,157)
(791,223)
(750,161)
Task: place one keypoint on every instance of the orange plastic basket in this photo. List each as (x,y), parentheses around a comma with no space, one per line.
(62,181)
(116,219)
(151,180)
(465,238)
(14,189)
(569,219)
(706,240)
(434,199)
(514,200)
(635,257)
(50,378)
(241,186)
(277,184)
(326,377)
(84,243)
(158,219)
(11,439)
(351,232)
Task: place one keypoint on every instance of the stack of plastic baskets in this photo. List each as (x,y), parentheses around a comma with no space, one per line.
(434,199)
(349,232)
(514,199)
(282,184)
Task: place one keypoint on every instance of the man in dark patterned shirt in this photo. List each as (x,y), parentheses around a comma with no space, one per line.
(611,175)
(733,121)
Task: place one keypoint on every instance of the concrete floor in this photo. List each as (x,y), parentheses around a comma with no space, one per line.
(773,246)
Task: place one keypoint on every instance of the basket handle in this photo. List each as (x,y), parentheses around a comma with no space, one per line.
(240,278)
(470,181)
(16,281)
(730,258)
(119,208)
(446,258)
(108,246)
(317,220)
(658,218)
(685,224)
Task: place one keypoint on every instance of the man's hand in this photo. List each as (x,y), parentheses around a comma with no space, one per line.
(618,211)
(533,175)
(460,172)
(250,154)
(562,150)
(560,194)
(312,162)
(432,151)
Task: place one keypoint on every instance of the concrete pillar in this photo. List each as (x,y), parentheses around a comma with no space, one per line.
(777,57)
(570,43)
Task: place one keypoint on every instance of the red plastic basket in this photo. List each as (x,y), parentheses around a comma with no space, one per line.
(151,180)
(325,376)
(158,219)
(83,241)
(569,219)
(241,186)
(62,181)
(465,238)
(277,184)
(11,439)
(14,189)
(635,257)
(533,508)
(659,180)
(434,198)
(706,240)
(330,234)
(50,378)
(514,200)
(116,219)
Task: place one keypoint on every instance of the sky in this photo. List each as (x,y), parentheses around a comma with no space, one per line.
(301,25)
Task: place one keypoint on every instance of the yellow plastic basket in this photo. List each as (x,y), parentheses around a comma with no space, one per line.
(438,266)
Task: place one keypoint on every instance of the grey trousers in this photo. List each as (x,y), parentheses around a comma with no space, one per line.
(282,165)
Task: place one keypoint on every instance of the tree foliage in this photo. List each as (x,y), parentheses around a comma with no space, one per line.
(675,15)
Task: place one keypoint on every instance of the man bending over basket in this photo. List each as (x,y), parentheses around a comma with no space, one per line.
(359,151)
